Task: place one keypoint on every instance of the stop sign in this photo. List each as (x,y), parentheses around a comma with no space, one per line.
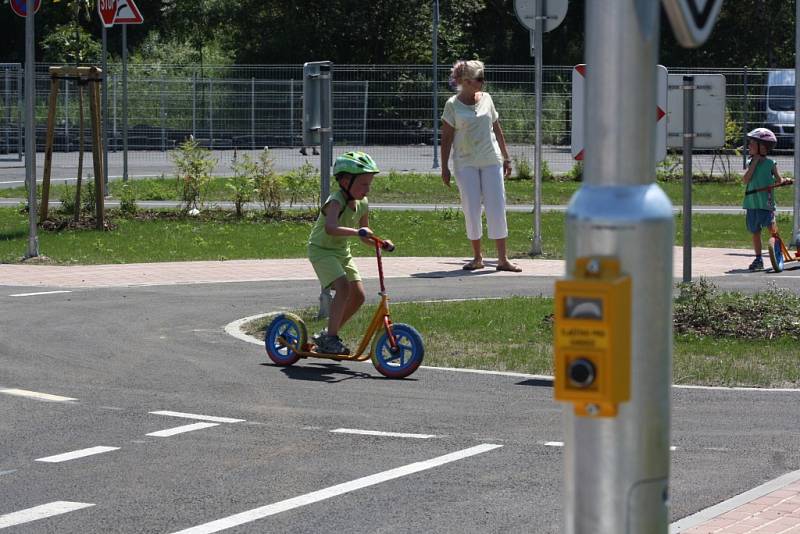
(108,10)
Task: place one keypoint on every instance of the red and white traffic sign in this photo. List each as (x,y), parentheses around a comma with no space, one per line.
(20,7)
(579,107)
(108,11)
(127,13)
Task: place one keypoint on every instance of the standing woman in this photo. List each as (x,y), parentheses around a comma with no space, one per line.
(470,127)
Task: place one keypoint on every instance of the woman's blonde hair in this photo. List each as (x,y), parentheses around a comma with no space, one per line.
(465,70)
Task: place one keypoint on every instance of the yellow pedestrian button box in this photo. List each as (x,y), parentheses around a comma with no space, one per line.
(592,337)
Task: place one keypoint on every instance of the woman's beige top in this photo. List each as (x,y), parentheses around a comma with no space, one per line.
(474,144)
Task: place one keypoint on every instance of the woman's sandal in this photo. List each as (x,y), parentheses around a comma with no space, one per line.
(473,265)
(510,267)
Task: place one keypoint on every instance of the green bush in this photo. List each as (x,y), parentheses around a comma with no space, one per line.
(67,199)
(127,200)
(518,116)
(194,165)
(302,185)
(524,168)
(242,184)
(267,183)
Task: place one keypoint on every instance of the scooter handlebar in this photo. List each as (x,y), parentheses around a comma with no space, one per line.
(380,242)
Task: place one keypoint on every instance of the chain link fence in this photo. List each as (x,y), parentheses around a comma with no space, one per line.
(386,109)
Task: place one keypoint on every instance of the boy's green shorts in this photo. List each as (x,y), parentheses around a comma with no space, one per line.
(330,266)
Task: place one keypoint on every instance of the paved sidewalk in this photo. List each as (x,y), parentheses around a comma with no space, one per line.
(706,262)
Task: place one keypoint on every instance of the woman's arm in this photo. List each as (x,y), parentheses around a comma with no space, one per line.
(448,132)
(501,140)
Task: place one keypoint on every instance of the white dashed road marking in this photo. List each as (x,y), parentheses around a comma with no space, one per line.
(40,512)
(553,443)
(181,429)
(76,454)
(212,418)
(333,491)
(38,293)
(36,395)
(378,433)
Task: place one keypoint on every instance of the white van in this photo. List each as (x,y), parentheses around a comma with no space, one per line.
(779,106)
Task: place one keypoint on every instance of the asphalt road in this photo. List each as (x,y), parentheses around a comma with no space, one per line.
(125,353)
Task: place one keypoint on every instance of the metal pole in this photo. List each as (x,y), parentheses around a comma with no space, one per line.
(291,112)
(30,130)
(617,468)
(796,210)
(66,114)
(114,111)
(124,102)
(162,113)
(194,105)
(364,128)
(536,245)
(210,113)
(326,129)
(746,116)
(688,145)
(20,113)
(104,112)
(253,113)
(7,108)
(435,82)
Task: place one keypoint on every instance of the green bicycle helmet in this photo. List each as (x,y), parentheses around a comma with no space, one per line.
(355,163)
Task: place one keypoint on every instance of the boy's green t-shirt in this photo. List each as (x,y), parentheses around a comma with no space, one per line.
(320,239)
(762,177)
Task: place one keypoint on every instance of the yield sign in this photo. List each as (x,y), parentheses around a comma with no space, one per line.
(20,7)
(127,13)
(692,20)
(579,109)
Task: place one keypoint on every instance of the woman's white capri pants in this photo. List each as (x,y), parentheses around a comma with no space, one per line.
(474,184)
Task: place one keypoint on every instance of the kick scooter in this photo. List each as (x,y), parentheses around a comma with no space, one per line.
(396,352)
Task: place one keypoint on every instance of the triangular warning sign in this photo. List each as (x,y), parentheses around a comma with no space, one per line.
(127,13)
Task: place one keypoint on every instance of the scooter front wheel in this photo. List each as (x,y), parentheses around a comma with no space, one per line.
(403,360)
(293,330)
(776,255)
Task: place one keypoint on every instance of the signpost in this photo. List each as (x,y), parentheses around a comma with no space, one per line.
(539,16)
(20,7)
(695,103)
(107,10)
(30,129)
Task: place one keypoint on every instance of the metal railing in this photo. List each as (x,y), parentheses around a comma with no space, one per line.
(242,108)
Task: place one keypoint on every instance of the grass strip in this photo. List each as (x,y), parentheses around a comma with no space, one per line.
(416,188)
(515,334)
(221,236)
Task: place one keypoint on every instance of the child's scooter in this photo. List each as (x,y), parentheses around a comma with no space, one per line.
(396,351)
(778,253)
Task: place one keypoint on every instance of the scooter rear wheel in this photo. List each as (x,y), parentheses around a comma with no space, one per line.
(293,330)
(402,361)
(776,255)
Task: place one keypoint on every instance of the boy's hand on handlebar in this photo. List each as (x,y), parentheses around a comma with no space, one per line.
(388,245)
(365,232)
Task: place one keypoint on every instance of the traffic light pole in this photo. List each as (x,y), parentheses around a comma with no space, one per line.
(617,466)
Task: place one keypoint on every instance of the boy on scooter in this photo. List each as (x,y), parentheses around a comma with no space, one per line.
(344,213)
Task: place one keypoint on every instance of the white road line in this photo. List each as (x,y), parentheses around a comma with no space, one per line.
(38,293)
(333,491)
(181,429)
(40,512)
(211,418)
(553,443)
(76,454)
(379,433)
(35,395)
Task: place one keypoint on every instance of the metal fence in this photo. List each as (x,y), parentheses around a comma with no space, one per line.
(243,108)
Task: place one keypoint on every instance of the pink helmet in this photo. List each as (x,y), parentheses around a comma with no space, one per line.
(763,136)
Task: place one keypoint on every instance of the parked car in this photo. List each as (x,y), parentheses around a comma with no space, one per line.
(779,106)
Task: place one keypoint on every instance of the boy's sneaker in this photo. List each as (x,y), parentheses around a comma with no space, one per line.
(332,345)
(316,337)
(757,265)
